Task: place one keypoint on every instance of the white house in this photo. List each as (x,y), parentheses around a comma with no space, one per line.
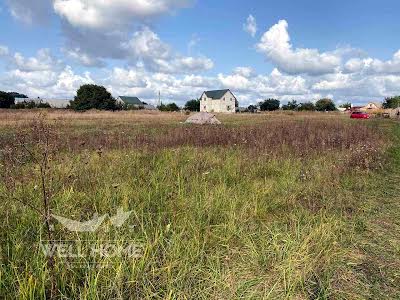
(218,101)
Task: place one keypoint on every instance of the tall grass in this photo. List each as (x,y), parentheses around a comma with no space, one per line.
(232,212)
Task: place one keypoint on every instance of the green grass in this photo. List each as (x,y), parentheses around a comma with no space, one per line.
(215,223)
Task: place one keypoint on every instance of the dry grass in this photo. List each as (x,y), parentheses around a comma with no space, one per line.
(264,207)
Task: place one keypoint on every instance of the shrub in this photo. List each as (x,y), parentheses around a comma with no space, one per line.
(270,105)
(6,100)
(307,106)
(291,105)
(193,105)
(169,107)
(325,105)
(31,104)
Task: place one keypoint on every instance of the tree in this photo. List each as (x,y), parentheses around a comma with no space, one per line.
(252,109)
(391,102)
(307,106)
(193,105)
(6,100)
(270,105)
(91,96)
(346,105)
(291,105)
(325,105)
(169,107)
(17,95)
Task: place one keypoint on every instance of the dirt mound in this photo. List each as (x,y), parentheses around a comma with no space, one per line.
(203,118)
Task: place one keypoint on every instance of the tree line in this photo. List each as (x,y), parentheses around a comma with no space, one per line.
(91,96)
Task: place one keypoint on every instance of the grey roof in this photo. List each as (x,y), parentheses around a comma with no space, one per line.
(131,100)
(217,94)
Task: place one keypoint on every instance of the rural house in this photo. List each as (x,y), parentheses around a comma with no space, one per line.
(134,102)
(372,105)
(219,101)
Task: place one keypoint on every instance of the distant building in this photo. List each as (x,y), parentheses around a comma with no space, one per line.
(218,101)
(135,102)
(372,106)
(54,103)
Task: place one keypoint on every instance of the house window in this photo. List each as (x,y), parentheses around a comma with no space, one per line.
(228,107)
(205,107)
(224,98)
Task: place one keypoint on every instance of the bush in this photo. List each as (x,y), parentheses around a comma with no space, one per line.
(325,105)
(31,104)
(193,105)
(169,107)
(292,105)
(307,106)
(270,105)
(91,96)
(6,100)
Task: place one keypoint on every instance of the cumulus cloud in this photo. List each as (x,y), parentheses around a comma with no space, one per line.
(275,45)
(244,71)
(113,14)
(250,26)
(83,58)
(43,61)
(374,66)
(44,83)
(147,49)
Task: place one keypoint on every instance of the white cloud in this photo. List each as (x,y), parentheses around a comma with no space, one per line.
(42,62)
(275,44)
(83,58)
(333,82)
(68,82)
(45,83)
(234,82)
(374,66)
(250,26)
(147,49)
(244,71)
(127,78)
(113,14)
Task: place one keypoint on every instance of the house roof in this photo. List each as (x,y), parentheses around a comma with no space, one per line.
(217,94)
(131,100)
(377,104)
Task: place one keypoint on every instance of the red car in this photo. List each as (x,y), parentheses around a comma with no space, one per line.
(359,115)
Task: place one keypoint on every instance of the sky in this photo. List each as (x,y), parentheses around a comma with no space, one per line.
(303,50)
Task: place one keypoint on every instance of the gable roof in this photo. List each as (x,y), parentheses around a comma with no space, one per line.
(377,104)
(131,100)
(217,94)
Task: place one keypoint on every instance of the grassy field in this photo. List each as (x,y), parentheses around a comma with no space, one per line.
(268,206)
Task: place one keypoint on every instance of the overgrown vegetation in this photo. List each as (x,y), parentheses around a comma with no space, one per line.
(261,207)
(392,102)
(169,107)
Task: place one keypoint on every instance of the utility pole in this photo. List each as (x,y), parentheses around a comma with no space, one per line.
(159,98)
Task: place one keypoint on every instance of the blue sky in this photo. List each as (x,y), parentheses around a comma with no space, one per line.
(304,50)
